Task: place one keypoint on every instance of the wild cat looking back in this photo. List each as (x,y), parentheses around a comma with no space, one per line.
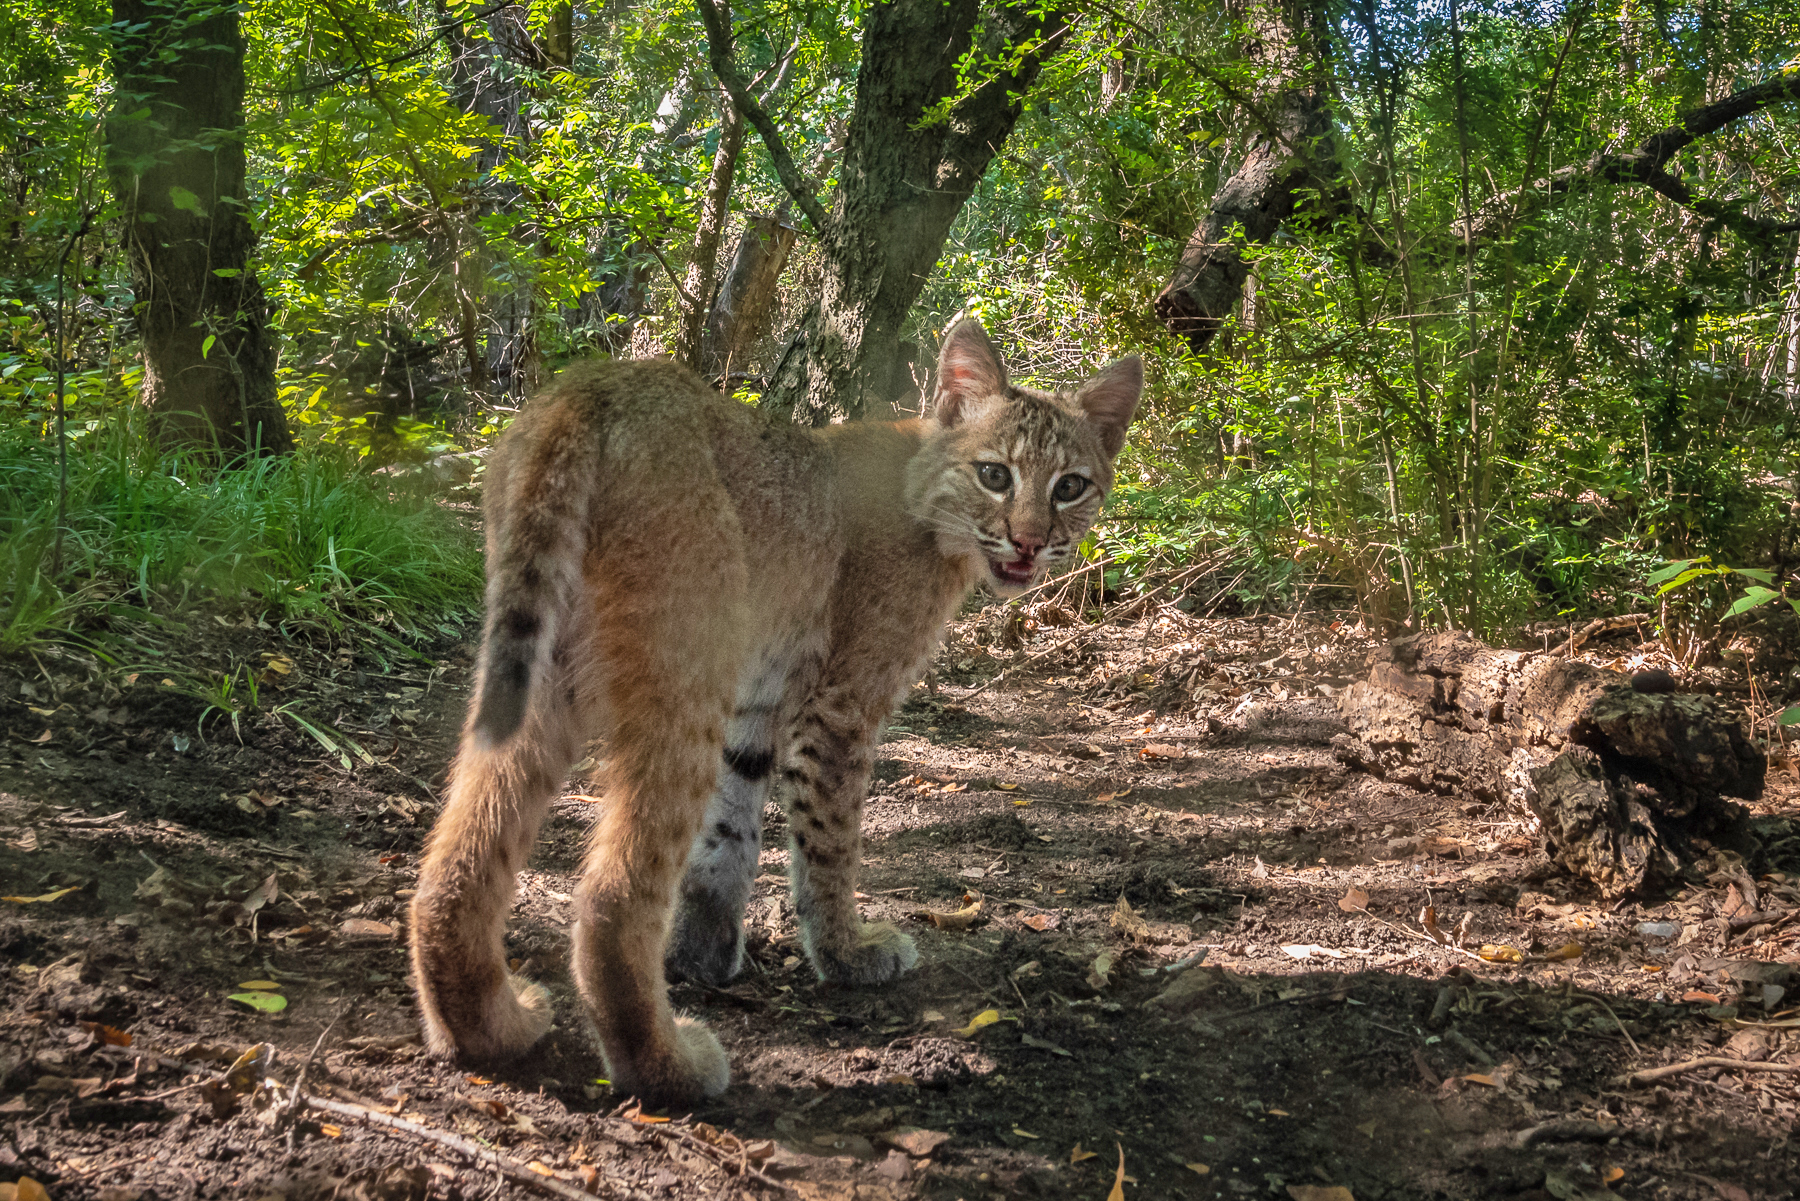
(733,604)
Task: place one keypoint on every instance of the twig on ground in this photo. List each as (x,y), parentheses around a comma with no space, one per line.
(1588,996)
(1027,660)
(1648,1075)
(518,1173)
(1598,626)
(729,1164)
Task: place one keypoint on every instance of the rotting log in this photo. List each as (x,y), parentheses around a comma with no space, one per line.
(1627,785)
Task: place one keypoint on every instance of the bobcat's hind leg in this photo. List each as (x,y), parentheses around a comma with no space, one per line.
(707,944)
(469,1004)
(828,774)
(671,652)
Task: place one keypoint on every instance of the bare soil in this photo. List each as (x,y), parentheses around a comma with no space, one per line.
(1203,949)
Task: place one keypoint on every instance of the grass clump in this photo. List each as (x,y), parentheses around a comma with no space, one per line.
(311,540)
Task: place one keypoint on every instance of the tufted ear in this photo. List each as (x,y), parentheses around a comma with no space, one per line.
(1110,399)
(969,372)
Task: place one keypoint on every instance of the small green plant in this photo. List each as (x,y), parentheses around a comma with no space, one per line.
(1697,595)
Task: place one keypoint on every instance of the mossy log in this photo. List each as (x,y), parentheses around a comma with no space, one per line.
(1627,784)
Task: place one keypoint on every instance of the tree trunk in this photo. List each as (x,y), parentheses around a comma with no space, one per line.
(1627,784)
(175,157)
(509,366)
(1292,149)
(740,312)
(696,295)
(904,177)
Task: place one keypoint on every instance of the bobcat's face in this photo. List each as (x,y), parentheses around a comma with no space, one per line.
(1017,485)
(1012,476)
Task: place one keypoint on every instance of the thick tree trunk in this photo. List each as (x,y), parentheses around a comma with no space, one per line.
(740,312)
(1627,784)
(904,177)
(1292,149)
(175,156)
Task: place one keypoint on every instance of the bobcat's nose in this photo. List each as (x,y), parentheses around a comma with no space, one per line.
(1028,545)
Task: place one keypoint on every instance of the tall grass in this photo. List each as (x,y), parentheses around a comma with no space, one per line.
(307,540)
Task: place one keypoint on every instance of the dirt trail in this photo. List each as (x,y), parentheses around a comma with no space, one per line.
(1199,938)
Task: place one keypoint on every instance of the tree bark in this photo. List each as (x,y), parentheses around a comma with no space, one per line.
(901,183)
(1627,784)
(484,82)
(694,300)
(739,315)
(1292,149)
(175,158)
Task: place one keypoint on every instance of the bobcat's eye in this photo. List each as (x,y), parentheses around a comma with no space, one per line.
(1068,488)
(993,476)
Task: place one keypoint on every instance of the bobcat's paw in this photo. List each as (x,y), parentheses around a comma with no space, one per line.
(489,1029)
(707,945)
(879,954)
(695,1068)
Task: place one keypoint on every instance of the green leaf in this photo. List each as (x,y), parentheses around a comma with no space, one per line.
(227,272)
(185,200)
(1672,568)
(1688,576)
(267,1002)
(1759,574)
(1788,716)
(1754,596)
(206,346)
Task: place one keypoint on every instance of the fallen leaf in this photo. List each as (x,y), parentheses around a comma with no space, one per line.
(1569,950)
(1482,1078)
(1310,950)
(914,1141)
(973,873)
(331,1131)
(1704,998)
(540,1167)
(1042,1044)
(363,928)
(1006,787)
(1612,1175)
(266,1002)
(26,1189)
(1101,973)
(1201,1168)
(1320,1192)
(962,919)
(1041,921)
(1428,919)
(40,740)
(49,896)
(1077,1155)
(107,1034)
(1127,921)
(957,787)
(1161,750)
(986,1017)
(261,985)
(1354,901)
(1500,953)
(1118,1188)
(1025,1133)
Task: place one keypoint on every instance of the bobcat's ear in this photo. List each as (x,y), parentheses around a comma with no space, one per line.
(969,372)
(1110,399)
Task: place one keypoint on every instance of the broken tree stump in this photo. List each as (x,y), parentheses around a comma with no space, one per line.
(1625,783)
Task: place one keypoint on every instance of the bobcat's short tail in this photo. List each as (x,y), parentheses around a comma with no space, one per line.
(534,572)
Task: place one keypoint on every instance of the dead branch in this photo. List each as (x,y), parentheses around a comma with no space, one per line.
(1648,1075)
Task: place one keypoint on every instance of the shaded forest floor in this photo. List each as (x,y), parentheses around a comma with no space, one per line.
(1198,946)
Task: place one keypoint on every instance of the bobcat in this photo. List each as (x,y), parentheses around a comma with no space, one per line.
(714,591)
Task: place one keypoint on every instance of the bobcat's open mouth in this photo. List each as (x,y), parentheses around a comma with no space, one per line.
(1017,572)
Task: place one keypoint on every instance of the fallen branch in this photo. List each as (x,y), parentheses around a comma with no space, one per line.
(517,1172)
(1648,1075)
(1600,625)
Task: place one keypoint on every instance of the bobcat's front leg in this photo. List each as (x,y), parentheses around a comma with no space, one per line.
(828,774)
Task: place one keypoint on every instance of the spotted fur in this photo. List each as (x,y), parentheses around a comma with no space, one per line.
(737,606)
